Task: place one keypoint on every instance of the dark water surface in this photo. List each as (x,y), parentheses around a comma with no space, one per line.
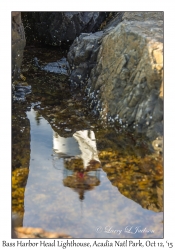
(120,194)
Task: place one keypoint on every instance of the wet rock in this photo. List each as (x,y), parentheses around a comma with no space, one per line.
(82,56)
(37,233)
(17,220)
(158,144)
(127,71)
(54,27)
(20,92)
(18,43)
(60,67)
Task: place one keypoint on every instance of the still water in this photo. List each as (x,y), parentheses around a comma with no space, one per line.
(72,175)
(104,212)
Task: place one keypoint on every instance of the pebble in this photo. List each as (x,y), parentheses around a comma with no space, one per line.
(67,129)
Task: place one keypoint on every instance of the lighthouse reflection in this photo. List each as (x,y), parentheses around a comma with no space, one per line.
(81,170)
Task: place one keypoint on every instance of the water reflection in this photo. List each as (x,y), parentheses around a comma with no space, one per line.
(55,165)
(65,147)
(82,144)
(49,204)
(81,162)
(81,182)
(87,144)
(117,181)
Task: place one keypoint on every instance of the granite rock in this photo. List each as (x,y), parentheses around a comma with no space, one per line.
(127,71)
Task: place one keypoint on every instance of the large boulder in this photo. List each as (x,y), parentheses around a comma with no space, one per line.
(18,43)
(54,27)
(83,52)
(127,72)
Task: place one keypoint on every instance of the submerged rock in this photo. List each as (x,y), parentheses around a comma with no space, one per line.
(138,178)
(36,233)
(127,71)
(20,92)
(60,67)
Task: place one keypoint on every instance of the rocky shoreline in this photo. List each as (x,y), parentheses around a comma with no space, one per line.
(118,64)
(115,62)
